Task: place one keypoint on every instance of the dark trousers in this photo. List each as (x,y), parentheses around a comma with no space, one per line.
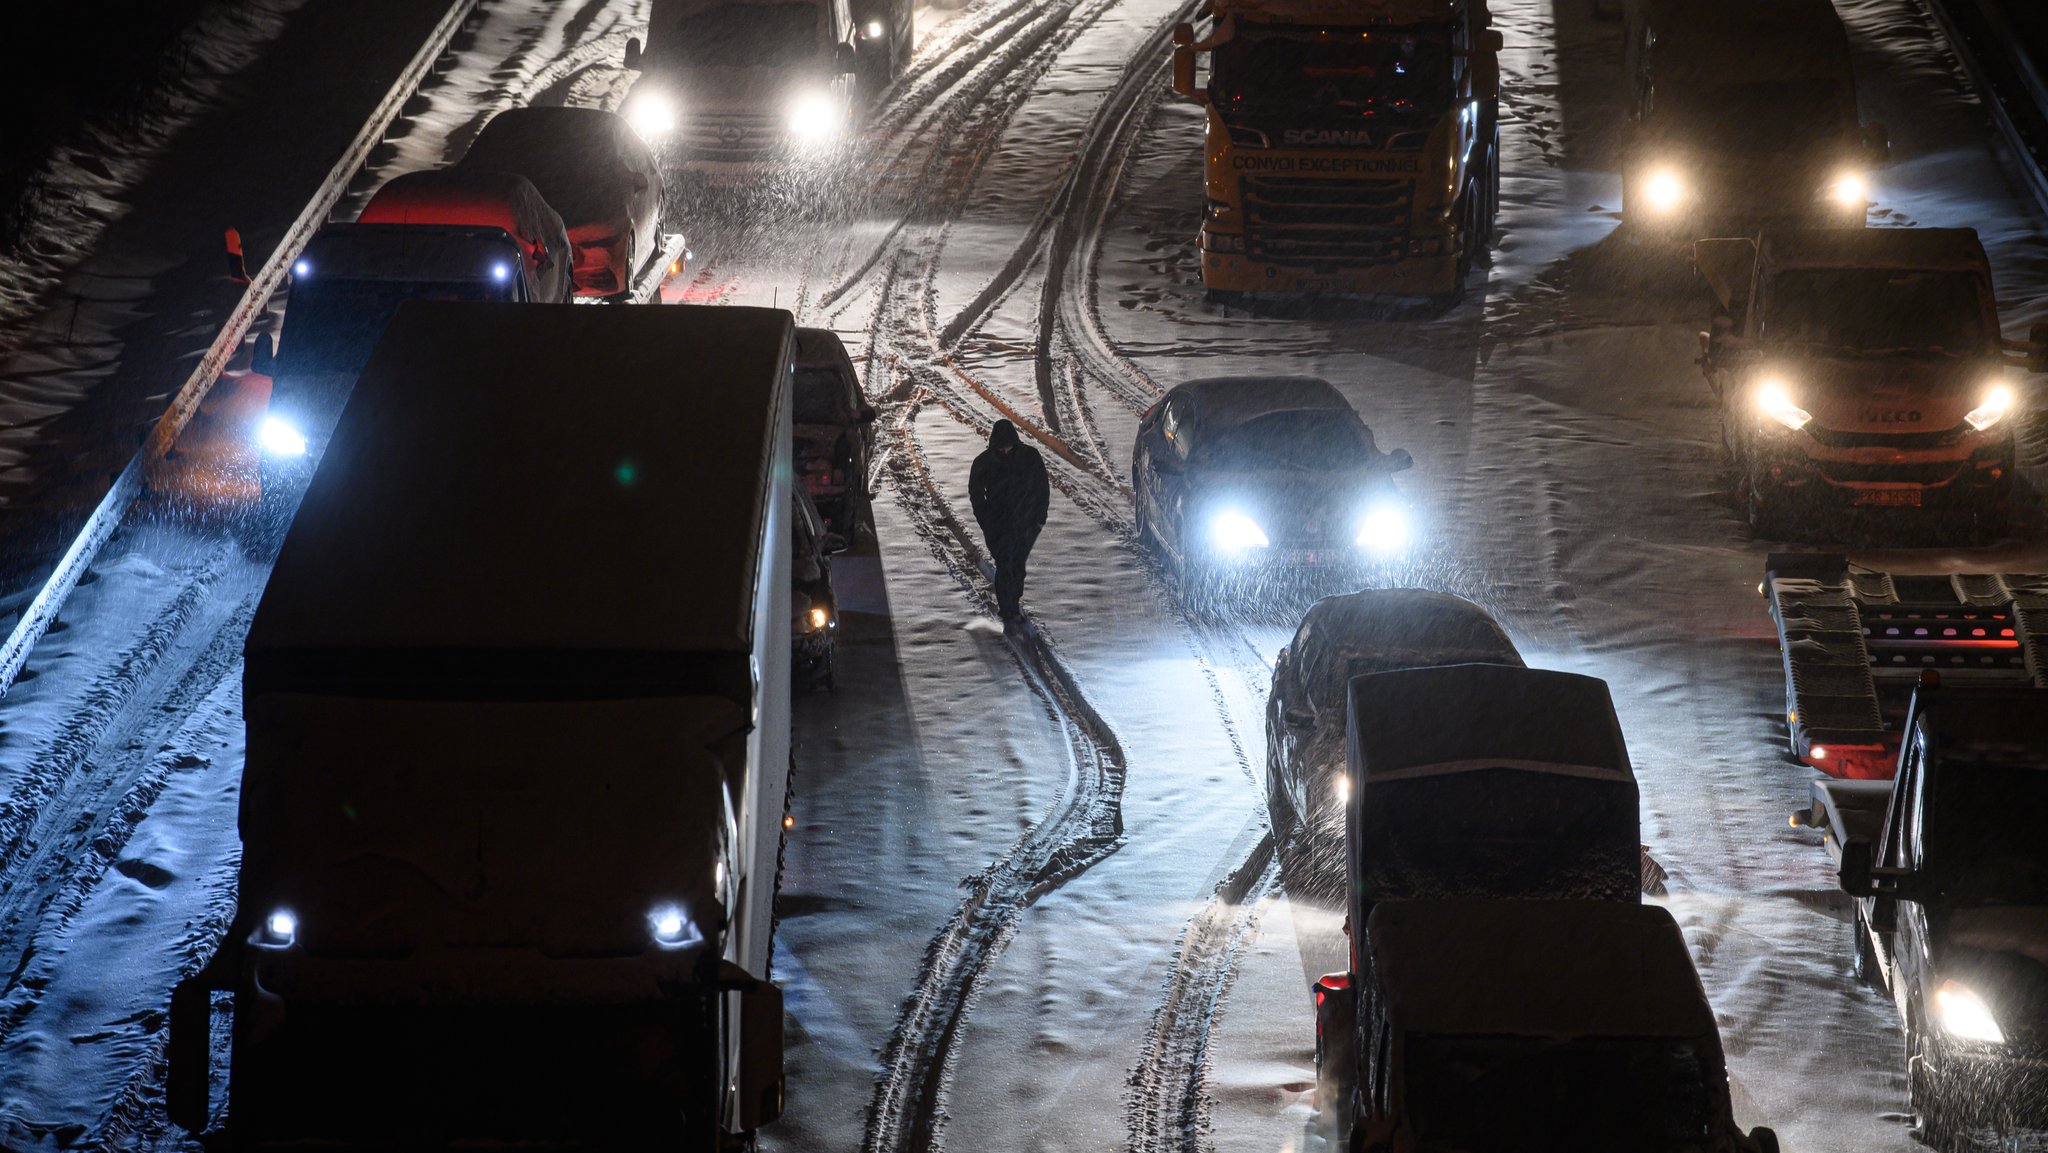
(1009,552)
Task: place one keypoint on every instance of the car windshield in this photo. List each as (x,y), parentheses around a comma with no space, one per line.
(746,36)
(1541,1095)
(1994,814)
(1319,440)
(333,323)
(819,392)
(1775,116)
(1875,310)
(1395,70)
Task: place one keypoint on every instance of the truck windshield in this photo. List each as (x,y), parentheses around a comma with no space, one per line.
(1500,832)
(1315,441)
(746,36)
(1539,1095)
(332,323)
(1994,814)
(1876,310)
(1775,116)
(1396,70)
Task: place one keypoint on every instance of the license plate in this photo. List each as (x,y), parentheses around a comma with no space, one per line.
(1889,497)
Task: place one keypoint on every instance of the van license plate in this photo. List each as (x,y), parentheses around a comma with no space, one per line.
(1890,497)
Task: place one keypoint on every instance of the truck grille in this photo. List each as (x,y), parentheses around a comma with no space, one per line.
(1335,222)
(736,136)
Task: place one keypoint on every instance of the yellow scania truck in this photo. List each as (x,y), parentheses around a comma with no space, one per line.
(1353,145)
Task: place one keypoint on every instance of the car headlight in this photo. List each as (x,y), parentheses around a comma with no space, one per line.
(278,930)
(1774,400)
(1663,191)
(1236,532)
(1384,530)
(279,438)
(816,117)
(1850,190)
(875,29)
(1962,1013)
(652,115)
(1999,401)
(672,927)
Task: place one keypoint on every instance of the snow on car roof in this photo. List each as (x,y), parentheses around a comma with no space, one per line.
(541,478)
(1925,248)
(1227,400)
(577,157)
(1455,718)
(1417,622)
(1536,968)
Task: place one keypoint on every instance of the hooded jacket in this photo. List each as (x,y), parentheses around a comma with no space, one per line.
(1009,490)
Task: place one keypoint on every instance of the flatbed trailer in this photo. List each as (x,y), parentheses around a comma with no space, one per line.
(1855,641)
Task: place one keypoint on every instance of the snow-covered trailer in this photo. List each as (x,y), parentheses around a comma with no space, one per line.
(1855,641)
(517,700)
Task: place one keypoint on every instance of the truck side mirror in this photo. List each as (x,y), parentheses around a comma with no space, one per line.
(1855,872)
(1491,40)
(263,358)
(1877,145)
(1184,61)
(189,1054)
(633,53)
(1399,460)
(1764,1138)
(758,1080)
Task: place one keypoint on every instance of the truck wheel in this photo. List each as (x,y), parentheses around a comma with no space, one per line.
(1863,953)
(1936,1122)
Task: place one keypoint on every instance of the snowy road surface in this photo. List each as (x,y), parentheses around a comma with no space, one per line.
(1031,901)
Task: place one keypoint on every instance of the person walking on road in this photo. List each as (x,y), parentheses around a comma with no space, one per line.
(1010,495)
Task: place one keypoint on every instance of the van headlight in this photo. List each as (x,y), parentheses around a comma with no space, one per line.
(1383,530)
(1236,532)
(814,117)
(1664,191)
(1774,400)
(652,114)
(1963,1014)
(1999,401)
(1850,190)
(278,438)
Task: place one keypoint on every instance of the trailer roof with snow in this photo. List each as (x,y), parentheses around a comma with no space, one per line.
(1536,968)
(1855,642)
(629,440)
(1420,722)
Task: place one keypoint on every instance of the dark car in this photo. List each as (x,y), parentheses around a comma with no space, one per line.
(1341,637)
(594,170)
(1240,481)
(835,433)
(813,608)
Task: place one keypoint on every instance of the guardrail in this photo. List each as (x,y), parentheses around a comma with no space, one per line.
(2007,78)
(106,518)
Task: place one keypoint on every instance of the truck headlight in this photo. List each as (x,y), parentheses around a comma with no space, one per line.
(1999,401)
(814,117)
(278,930)
(875,29)
(278,438)
(1663,191)
(652,114)
(1384,530)
(672,927)
(1236,532)
(1774,400)
(1962,1013)
(1850,190)
(819,619)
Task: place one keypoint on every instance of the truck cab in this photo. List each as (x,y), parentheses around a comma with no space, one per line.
(518,748)
(1861,370)
(732,91)
(1538,1027)
(1352,148)
(1474,781)
(1950,879)
(1743,113)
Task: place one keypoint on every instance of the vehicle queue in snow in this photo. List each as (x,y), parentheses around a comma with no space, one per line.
(1477,816)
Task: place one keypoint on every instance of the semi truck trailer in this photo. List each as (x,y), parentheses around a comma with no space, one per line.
(517,709)
(1353,145)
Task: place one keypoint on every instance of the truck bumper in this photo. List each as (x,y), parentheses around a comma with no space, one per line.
(1431,275)
(2007,1087)
(1815,479)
